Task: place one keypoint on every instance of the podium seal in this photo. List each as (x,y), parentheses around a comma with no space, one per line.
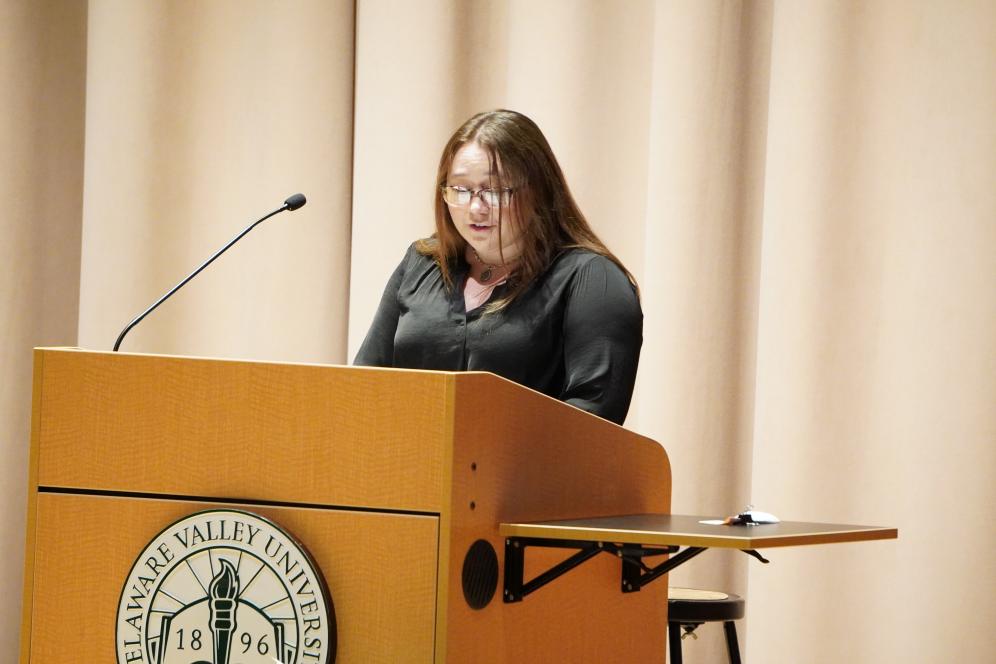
(225,587)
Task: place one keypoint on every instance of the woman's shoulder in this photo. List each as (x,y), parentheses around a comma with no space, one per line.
(427,246)
(589,273)
(580,259)
(422,250)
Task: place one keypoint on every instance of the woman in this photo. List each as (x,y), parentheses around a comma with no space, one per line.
(513,281)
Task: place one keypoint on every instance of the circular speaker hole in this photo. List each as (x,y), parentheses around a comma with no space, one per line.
(480,574)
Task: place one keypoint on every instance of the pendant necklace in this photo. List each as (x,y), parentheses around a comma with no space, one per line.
(488,268)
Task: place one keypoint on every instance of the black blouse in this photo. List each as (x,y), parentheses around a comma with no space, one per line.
(574,334)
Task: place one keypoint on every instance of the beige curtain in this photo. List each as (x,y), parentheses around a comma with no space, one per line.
(875,388)
(201,117)
(42,82)
(805,191)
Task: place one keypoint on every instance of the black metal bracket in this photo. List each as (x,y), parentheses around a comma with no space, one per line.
(515,557)
(635,572)
(634,576)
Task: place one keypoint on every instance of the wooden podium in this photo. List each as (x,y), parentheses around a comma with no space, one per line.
(386,476)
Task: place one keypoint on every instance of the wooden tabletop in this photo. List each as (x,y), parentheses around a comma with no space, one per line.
(685,530)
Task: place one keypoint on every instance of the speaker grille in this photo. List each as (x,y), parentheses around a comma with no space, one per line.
(480,574)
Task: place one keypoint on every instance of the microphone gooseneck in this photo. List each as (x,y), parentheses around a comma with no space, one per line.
(292,203)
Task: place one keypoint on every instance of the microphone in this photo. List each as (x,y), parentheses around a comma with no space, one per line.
(294,202)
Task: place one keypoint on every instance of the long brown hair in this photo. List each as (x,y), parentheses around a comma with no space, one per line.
(548,217)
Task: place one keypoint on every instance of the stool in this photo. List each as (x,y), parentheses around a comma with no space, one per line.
(688,608)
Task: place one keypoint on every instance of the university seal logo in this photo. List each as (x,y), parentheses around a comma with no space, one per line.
(225,587)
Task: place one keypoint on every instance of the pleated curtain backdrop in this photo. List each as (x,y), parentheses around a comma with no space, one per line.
(805,191)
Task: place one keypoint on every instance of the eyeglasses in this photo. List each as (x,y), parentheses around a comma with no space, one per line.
(461,196)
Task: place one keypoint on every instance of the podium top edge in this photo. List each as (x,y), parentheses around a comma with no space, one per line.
(247,360)
(458,376)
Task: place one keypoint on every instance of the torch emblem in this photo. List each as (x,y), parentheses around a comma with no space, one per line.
(224,590)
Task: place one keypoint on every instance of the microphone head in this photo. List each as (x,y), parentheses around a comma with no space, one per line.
(296,201)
